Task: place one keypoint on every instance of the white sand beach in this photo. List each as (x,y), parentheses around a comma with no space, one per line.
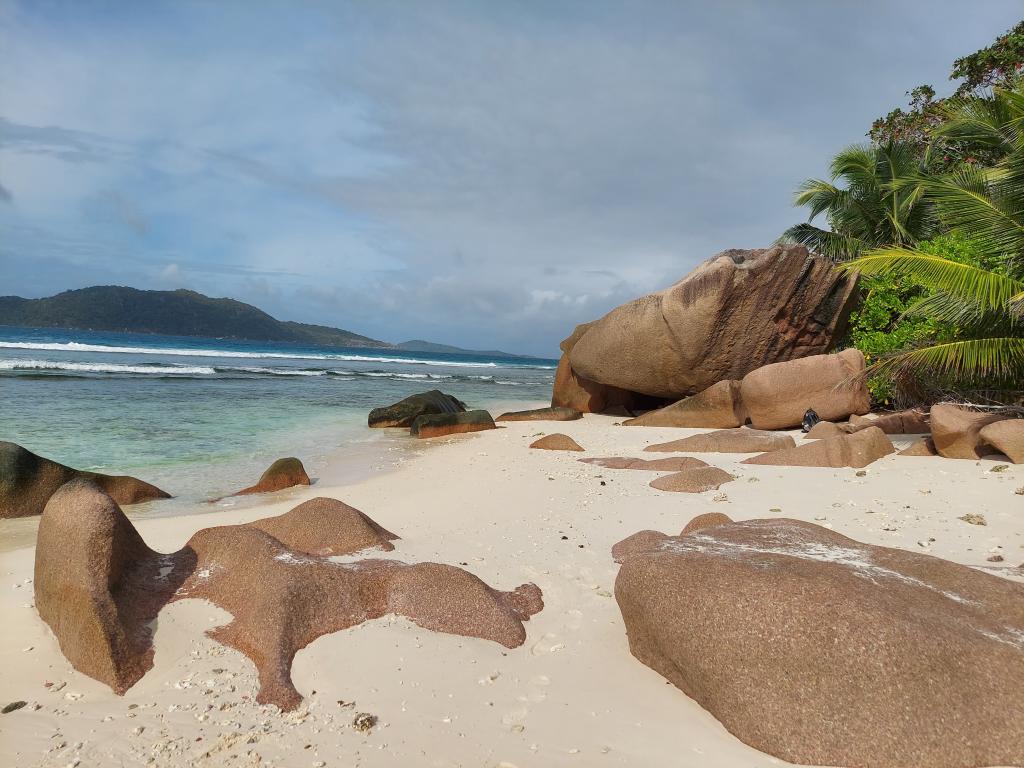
(572,695)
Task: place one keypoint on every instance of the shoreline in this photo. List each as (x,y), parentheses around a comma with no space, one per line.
(571,695)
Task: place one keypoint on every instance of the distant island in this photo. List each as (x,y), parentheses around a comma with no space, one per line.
(188,313)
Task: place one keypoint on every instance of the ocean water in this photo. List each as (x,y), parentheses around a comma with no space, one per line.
(202,418)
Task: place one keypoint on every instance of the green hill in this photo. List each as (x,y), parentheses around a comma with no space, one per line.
(174,313)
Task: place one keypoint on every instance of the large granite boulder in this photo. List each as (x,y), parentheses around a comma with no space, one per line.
(956,432)
(726,441)
(552,413)
(717,407)
(570,390)
(778,395)
(855,450)
(27,481)
(100,588)
(283,473)
(735,312)
(818,649)
(1006,436)
(404,412)
(440,424)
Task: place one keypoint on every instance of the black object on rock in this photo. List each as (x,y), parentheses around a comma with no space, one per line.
(810,419)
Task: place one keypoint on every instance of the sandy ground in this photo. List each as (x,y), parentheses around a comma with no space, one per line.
(572,695)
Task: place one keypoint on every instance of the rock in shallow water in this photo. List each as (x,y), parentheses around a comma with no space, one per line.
(27,481)
(404,412)
(552,413)
(441,424)
(99,587)
(819,649)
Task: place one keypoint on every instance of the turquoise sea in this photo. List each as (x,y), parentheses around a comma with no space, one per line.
(202,418)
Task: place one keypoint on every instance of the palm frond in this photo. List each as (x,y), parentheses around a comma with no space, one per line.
(996,359)
(829,244)
(990,291)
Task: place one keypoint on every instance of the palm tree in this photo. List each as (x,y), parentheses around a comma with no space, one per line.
(983,303)
(866,211)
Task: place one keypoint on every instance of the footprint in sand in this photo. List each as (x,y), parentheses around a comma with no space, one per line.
(549,643)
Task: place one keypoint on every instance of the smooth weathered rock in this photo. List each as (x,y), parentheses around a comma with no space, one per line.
(557,442)
(100,588)
(283,473)
(735,312)
(440,424)
(404,412)
(856,450)
(818,649)
(695,480)
(571,390)
(672,464)
(956,431)
(825,429)
(778,395)
(718,406)
(707,520)
(727,441)
(1006,436)
(27,481)
(909,422)
(552,413)
(922,447)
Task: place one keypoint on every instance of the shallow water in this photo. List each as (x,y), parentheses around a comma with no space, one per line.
(202,418)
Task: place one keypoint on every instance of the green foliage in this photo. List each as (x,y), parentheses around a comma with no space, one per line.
(920,124)
(999,65)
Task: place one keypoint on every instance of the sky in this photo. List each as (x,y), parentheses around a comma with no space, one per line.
(486,174)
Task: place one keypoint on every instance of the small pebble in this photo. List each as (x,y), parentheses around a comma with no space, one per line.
(13,707)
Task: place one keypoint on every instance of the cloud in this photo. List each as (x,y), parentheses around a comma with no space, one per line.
(481,174)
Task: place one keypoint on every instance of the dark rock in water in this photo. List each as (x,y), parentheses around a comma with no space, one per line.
(855,450)
(440,424)
(404,412)
(553,413)
(737,311)
(810,419)
(27,481)
(99,587)
(283,473)
(822,650)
